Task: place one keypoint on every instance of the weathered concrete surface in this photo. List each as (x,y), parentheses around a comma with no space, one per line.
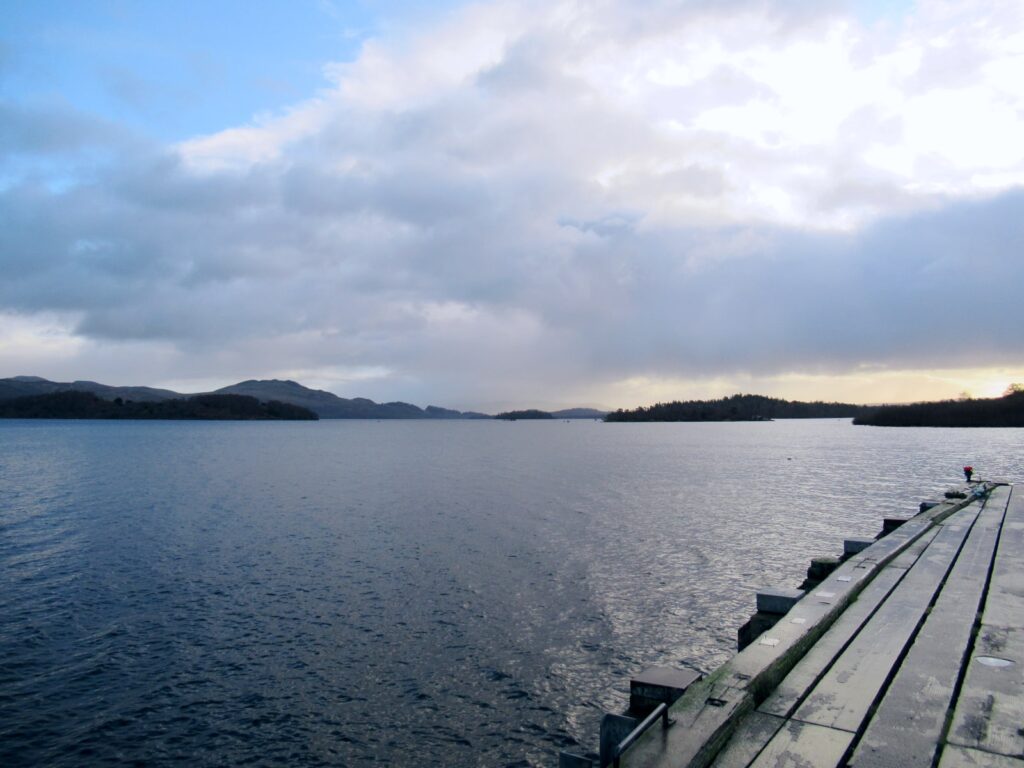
(1004,606)
(709,711)
(906,729)
(784,699)
(802,744)
(989,713)
(750,737)
(844,695)
(961,757)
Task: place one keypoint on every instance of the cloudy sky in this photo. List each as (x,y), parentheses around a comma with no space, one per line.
(497,204)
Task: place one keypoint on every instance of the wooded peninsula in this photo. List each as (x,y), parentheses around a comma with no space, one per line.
(1005,411)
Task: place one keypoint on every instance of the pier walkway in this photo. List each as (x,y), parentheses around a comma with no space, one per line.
(910,653)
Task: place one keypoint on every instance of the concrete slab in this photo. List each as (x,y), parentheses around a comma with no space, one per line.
(751,736)
(798,745)
(845,694)
(990,709)
(961,757)
(906,729)
(778,600)
(1004,606)
(659,684)
(796,685)
(710,710)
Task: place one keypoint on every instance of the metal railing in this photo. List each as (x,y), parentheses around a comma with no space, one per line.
(660,711)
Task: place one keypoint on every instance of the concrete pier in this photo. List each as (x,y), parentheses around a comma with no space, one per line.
(909,653)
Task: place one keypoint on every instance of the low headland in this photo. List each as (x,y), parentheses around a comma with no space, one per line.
(1005,411)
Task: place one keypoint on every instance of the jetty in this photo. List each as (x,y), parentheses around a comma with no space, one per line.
(906,651)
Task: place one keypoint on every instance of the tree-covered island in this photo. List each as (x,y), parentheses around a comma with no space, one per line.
(738,408)
(530,413)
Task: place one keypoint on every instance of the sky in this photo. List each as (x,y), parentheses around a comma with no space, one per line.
(516,204)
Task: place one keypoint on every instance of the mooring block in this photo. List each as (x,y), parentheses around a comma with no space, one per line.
(570,760)
(822,567)
(614,728)
(853,546)
(890,524)
(777,600)
(659,684)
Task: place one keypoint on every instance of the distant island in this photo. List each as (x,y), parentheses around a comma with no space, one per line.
(74,404)
(739,408)
(531,413)
(1005,411)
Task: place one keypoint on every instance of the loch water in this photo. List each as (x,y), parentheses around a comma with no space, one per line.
(459,593)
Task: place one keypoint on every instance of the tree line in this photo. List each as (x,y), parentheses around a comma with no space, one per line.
(1005,411)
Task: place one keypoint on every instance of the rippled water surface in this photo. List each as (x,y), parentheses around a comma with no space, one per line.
(456,593)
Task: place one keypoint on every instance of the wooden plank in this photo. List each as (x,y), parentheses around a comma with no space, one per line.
(845,694)
(907,727)
(990,709)
(962,757)
(1004,606)
(799,745)
(750,737)
(797,684)
(709,711)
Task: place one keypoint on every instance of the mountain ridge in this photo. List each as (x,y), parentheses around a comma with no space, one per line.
(324,404)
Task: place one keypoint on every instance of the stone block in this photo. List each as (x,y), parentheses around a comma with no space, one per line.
(614,728)
(821,568)
(777,600)
(659,684)
(570,760)
(855,545)
(890,524)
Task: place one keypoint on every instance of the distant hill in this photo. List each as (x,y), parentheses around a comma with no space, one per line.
(739,408)
(21,386)
(75,404)
(329,406)
(326,405)
(1006,411)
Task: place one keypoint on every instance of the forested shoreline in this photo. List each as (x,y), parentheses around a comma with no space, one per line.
(73,404)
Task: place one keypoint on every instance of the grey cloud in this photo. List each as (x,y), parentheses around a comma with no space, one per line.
(609,301)
(47,129)
(466,247)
